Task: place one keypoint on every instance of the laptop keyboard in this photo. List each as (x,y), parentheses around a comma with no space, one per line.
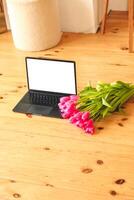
(42,99)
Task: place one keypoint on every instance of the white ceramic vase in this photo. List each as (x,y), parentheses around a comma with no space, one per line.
(35,24)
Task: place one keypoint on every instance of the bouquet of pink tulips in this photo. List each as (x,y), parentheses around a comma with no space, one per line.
(93,104)
(68,109)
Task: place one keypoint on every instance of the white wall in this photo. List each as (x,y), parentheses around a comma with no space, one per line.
(118,4)
(78,15)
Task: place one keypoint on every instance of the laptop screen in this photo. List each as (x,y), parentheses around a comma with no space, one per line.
(51,75)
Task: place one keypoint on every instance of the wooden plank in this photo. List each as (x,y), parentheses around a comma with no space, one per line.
(66,165)
(45,158)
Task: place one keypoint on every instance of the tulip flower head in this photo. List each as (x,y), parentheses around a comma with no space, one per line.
(69,111)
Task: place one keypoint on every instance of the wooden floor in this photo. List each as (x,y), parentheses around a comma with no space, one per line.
(49,159)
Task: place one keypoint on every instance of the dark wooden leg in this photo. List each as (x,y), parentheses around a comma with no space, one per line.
(131,15)
(103,25)
(0,6)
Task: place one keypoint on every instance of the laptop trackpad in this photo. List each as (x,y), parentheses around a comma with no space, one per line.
(40,110)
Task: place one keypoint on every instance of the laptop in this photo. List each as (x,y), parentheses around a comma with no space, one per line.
(48,80)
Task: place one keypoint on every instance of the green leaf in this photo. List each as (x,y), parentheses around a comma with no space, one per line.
(105,103)
(105,98)
(104,113)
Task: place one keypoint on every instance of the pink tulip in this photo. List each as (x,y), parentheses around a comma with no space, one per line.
(89,130)
(64,99)
(80,124)
(74,98)
(78,115)
(85,116)
(90,123)
(65,115)
(68,109)
(73,120)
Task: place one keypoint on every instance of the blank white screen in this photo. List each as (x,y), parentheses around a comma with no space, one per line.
(52,76)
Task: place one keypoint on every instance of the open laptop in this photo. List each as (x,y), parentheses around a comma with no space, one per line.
(48,80)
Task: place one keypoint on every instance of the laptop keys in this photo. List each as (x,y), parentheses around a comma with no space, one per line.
(39,98)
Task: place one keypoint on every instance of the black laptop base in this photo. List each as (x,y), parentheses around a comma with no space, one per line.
(29,106)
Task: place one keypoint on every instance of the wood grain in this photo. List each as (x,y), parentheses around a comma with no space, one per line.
(45,158)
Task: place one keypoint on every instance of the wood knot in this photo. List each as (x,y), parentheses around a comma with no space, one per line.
(46,148)
(113,192)
(16,195)
(12,181)
(120,181)
(120,124)
(48,54)
(49,185)
(124,48)
(124,119)
(87,170)
(100,128)
(114,31)
(100,162)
